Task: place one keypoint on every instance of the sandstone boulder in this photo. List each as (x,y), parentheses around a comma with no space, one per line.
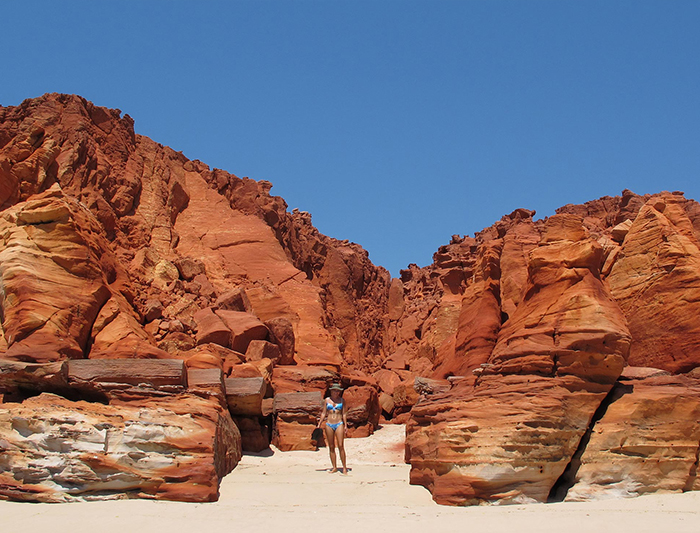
(363,411)
(646,441)
(620,231)
(188,267)
(211,356)
(262,368)
(387,380)
(245,395)
(397,360)
(386,402)
(234,300)
(282,334)
(300,378)
(357,378)
(121,377)
(296,416)
(508,440)
(176,449)
(164,274)
(207,383)
(152,310)
(258,350)
(405,396)
(211,329)
(244,328)
(117,333)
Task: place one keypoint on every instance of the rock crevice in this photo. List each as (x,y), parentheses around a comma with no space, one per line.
(568,478)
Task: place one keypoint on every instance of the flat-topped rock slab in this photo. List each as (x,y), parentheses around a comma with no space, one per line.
(245,395)
(154,373)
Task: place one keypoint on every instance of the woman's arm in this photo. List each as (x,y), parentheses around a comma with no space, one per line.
(345,414)
(323,414)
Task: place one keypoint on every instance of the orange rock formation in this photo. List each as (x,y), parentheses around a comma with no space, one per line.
(175,316)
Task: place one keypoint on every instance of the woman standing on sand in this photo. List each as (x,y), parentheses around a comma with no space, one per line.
(334,414)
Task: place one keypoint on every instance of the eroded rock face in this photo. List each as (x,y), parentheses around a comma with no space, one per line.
(647,441)
(510,436)
(501,355)
(568,322)
(146,204)
(656,281)
(115,247)
(53,287)
(54,450)
(552,308)
(507,440)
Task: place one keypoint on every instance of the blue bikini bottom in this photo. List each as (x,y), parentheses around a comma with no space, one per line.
(334,426)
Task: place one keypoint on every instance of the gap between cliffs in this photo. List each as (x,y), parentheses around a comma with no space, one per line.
(568,478)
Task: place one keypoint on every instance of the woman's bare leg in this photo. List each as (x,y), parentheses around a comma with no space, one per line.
(330,442)
(340,437)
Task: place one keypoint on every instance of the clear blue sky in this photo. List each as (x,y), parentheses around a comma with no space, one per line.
(395,123)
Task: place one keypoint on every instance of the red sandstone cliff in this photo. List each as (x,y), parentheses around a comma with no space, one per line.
(187,234)
(535,321)
(150,287)
(115,247)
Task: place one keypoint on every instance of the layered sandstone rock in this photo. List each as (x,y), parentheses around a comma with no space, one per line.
(552,300)
(506,440)
(55,450)
(53,282)
(646,441)
(297,414)
(511,435)
(116,247)
(655,279)
(117,251)
(207,383)
(148,204)
(302,379)
(119,378)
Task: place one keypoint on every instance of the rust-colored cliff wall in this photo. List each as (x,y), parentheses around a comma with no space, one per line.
(139,285)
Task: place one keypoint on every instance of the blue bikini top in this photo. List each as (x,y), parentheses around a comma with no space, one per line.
(335,407)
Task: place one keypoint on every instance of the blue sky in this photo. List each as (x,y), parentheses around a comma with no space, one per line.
(395,123)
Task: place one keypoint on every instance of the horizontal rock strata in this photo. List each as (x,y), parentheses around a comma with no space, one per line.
(510,436)
(55,450)
(647,441)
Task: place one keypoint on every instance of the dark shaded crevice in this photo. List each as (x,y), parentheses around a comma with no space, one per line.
(103,295)
(693,474)
(568,478)
(21,394)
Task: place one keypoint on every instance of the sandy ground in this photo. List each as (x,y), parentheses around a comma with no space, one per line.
(294,491)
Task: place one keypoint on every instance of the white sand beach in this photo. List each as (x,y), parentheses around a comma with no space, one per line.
(294,492)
